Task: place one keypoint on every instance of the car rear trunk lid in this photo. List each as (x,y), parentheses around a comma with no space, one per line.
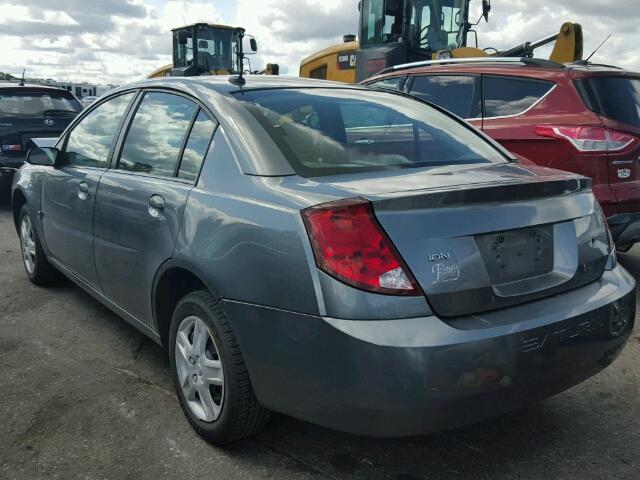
(489,238)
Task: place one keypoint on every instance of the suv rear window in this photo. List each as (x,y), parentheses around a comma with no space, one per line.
(617,98)
(509,96)
(33,103)
(334,131)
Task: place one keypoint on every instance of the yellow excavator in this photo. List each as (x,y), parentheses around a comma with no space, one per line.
(394,32)
(208,49)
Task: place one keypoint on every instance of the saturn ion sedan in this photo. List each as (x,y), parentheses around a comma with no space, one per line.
(354,258)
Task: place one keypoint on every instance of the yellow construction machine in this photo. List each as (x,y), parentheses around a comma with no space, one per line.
(394,32)
(206,49)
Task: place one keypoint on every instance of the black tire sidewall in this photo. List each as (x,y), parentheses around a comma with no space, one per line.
(217,430)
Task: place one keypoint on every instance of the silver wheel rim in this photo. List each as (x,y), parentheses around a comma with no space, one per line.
(28,244)
(199,369)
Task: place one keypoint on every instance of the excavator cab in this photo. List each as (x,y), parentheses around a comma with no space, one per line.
(206,49)
(400,31)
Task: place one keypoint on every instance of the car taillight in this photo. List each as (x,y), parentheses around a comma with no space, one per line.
(349,244)
(588,139)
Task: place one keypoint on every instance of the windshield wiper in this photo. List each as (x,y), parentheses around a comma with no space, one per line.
(59,111)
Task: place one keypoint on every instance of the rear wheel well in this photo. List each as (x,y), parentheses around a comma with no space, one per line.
(173,285)
(17,202)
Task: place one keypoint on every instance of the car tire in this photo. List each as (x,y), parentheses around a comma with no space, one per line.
(211,378)
(34,260)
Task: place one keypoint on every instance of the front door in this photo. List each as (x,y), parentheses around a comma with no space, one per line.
(69,194)
(140,203)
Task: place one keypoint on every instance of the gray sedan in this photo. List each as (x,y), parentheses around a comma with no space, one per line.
(355,258)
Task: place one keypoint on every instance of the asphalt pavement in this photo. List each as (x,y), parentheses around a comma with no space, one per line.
(85,396)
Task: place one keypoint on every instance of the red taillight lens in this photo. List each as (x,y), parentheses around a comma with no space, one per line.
(350,245)
(588,139)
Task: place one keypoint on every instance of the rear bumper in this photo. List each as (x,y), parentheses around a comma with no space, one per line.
(625,229)
(414,376)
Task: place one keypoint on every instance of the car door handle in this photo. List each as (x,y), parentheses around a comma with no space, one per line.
(83,191)
(156,205)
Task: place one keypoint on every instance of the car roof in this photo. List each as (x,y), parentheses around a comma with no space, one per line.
(30,86)
(225,83)
(535,68)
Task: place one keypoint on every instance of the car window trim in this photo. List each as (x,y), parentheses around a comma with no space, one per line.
(129,120)
(477,77)
(65,135)
(186,141)
(192,122)
(553,84)
(403,79)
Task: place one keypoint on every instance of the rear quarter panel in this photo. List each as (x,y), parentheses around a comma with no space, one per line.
(246,239)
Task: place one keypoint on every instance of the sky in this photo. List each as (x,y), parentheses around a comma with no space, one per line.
(118,41)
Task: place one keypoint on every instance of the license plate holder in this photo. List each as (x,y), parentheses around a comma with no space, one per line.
(516,255)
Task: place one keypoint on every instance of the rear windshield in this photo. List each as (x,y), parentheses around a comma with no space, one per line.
(37,103)
(617,98)
(334,131)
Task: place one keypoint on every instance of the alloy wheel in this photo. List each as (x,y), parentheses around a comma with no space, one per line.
(28,244)
(199,369)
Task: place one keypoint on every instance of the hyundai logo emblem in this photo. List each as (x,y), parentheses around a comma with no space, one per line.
(48,122)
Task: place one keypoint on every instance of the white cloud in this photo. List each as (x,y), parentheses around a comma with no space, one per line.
(124,40)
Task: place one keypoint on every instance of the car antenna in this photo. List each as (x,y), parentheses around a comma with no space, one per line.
(599,47)
(22,79)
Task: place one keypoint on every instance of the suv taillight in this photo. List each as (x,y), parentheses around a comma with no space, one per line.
(588,139)
(349,244)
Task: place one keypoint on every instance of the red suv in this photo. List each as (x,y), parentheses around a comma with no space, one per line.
(583,118)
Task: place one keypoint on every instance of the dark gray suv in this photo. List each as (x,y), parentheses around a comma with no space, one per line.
(354,258)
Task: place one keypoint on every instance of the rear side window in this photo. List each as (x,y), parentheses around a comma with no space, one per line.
(334,131)
(90,141)
(156,134)
(197,146)
(508,96)
(617,98)
(33,103)
(460,94)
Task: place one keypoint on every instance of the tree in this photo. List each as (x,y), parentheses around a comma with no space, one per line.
(6,76)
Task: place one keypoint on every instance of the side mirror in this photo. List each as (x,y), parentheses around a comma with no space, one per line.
(183,37)
(253,44)
(486,8)
(45,156)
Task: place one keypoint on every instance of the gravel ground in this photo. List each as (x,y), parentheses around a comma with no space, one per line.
(83,395)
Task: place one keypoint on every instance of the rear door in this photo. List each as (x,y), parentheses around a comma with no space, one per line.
(69,192)
(460,94)
(141,201)
(506,104)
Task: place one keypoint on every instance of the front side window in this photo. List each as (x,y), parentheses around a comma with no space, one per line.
(156,134)
(197,146)
(508,96)
(391,83)
(432,25)
(460,94)
(182,53)
(90,140)
(335,131)
(216,47)
(438,24)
